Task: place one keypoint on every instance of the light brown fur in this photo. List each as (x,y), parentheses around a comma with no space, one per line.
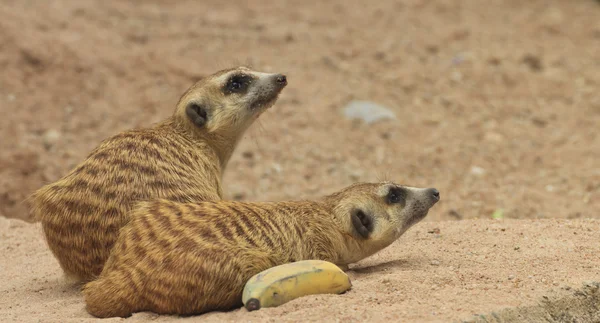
(178,258)
(180,159)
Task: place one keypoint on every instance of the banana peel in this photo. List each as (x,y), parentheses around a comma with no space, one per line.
(283,283)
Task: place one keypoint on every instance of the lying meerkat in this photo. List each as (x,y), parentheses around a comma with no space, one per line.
(181,159)
(191,258)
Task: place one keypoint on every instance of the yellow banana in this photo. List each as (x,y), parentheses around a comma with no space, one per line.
(283,283)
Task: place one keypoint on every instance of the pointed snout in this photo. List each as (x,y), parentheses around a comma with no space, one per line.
(434,194)
(281,79)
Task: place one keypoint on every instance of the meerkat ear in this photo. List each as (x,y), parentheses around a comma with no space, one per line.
(362,223)
(197,114)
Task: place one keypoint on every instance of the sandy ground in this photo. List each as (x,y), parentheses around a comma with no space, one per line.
(469,267)
(497,105)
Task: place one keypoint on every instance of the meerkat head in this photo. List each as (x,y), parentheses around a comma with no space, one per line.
(374,215)
(226,103)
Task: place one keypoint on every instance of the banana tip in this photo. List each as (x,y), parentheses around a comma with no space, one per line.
(253,304)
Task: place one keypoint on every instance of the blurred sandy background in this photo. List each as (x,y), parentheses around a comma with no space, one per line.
(496,103)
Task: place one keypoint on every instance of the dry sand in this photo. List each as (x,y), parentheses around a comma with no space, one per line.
(469,267)
(497,105)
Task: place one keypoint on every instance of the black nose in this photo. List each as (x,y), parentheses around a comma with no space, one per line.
(281,79)
(435,194)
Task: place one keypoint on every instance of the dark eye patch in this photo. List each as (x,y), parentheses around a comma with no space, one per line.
(396,195)
(238,83)
(362,222)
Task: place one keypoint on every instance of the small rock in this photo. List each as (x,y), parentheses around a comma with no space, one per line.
(494,61)
(385,135)
(478,171)
(277,167)
(586,198)
(432,49)
(368,112)
(435,230)
(539,122)
(239,196)
(456,76)
(458,59)
(493,137)
(511,277)
(517,248)
(454,213)
(435,262)
(432,121)
(591,284)
(534,62)
(50,137)
(11,97)
(550,188)
(379,55)
(355,175)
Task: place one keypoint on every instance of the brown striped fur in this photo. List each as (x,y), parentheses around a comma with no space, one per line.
(191,258)
(176,159)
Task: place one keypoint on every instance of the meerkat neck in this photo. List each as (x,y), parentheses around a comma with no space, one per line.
(350,249)
(221,146)
(321,238)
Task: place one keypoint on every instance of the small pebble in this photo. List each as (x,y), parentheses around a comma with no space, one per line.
(239,196)
(50,137)
(454,213)
(534,62)
(478,171)
(435,262)
(458,59)
(493,137)
(367,111)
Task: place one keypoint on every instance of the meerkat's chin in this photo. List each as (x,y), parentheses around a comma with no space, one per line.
(417,218)
(263,103)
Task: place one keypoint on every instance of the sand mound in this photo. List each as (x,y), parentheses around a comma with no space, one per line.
(469,267)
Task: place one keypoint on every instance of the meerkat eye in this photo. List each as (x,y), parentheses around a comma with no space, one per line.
(395,195)
(237,83)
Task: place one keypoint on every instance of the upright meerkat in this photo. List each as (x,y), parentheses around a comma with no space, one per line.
(181,159)
(187,258)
